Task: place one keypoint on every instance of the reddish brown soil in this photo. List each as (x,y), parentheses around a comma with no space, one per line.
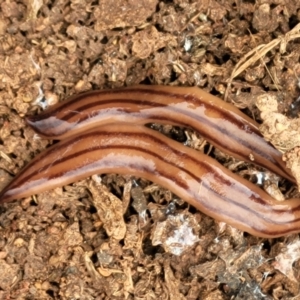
(95,241)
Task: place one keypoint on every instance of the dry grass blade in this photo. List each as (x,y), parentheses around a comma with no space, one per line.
(259,51)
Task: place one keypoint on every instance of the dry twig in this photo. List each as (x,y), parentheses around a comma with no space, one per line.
(259,51)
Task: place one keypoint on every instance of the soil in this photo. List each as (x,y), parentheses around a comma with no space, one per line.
(122,237)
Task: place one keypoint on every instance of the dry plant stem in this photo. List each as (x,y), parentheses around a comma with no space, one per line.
(220,123)
(193,176)
(257,53)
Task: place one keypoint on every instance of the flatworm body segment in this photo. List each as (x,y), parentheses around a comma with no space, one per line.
(198,179)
